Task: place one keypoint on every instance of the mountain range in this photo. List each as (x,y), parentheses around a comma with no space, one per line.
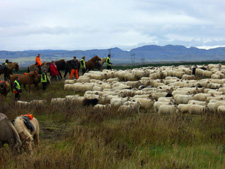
(144,54)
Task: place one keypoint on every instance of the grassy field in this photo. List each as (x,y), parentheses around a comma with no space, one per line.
(79,137)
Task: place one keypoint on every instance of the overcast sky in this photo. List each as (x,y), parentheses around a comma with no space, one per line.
(103,24)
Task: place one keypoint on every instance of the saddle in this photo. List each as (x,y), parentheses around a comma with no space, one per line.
(1,83)
(28,124)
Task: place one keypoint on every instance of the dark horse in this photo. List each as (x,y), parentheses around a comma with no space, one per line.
(90,64)
(7,70)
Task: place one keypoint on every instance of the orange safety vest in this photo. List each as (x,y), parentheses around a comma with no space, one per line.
(38,61)
(28,115)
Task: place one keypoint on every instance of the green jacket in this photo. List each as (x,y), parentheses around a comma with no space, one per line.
(16,86)
(43,77)
(108,61)
(82,64)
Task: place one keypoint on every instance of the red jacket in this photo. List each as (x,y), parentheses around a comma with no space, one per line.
(53,69)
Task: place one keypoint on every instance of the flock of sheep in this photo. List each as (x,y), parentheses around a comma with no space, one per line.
(164,90)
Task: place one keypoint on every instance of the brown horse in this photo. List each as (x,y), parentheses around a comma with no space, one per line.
(7,70)
(30,78)
(4,88)
(90,64)
(100,63)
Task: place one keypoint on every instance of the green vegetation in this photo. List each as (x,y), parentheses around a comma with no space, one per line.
(79,137)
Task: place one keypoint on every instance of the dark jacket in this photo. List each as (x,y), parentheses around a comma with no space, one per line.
(74,64)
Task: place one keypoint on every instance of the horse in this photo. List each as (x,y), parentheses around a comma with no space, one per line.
(26,135)
(4,88)
(33,67)
(90,64)
(7,70)
(9,134)
(30,78)
(100,63)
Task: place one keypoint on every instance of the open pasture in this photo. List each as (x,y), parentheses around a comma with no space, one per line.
(149,117)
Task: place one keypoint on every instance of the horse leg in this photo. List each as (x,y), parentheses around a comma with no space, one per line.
(25,87)
(36,139)
(66,71)
(6,76)
(60,75)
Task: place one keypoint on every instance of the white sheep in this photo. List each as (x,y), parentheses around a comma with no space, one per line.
(167,109)
(182,99)
(201,96)
(82,87)
(188,77)
(23,104)
(83,79)
(157,104)
(112,80)
(183,108)
(69,98)
(38,102)
(78,100)
(213,106)
(58,101)
(68,87)
(116,102)
(133,83)
(207,74)
(197,109)
(125,108)
(101,106)
(221,109)
(69,81)
(136,105)
(146,103)
(197,102)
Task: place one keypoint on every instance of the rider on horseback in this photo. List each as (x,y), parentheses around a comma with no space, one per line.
(38,63)
(5,64)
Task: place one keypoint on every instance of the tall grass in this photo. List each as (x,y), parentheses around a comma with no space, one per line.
(79,137)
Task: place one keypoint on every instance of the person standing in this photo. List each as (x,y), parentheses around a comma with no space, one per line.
(53,70)
(83,65)
(108,62)
(38,63)
(74,68)
(44,79)
(16,89)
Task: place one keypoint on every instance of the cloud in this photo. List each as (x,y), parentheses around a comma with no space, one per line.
(78,24)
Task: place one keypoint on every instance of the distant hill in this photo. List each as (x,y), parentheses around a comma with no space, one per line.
(148,53)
